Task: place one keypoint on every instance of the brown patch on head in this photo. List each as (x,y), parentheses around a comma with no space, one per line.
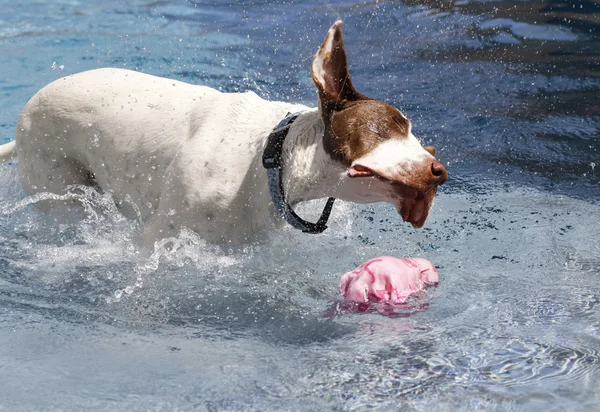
(359,127)
(354,123)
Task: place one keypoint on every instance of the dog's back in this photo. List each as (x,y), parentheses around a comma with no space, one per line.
(113,124)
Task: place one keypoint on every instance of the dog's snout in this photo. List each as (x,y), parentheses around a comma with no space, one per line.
(439,173)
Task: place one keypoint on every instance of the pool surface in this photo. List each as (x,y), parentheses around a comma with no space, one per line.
(509,93)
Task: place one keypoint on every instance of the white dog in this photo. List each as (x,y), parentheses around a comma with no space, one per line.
(191,156)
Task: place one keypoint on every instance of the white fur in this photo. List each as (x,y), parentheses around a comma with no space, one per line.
(395,158)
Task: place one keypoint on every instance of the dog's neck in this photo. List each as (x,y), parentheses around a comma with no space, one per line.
(308,171)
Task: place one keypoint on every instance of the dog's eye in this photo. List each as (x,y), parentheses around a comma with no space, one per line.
(372,127)
(402,123)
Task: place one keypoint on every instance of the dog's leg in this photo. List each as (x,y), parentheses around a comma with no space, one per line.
(40,171)
(156,228)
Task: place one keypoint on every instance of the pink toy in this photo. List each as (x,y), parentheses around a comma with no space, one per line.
(388,279)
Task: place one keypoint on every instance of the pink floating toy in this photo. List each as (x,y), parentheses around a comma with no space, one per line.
(388,279)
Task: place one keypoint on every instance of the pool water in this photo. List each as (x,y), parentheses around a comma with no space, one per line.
(509,93)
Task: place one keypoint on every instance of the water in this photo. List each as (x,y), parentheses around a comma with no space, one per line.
(509,93)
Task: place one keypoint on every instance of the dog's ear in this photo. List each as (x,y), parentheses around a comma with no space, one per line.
(340,105)
(430,149)
(330,70)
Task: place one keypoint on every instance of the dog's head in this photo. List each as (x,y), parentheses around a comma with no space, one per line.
(372,140)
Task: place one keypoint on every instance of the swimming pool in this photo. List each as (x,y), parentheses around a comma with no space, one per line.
(508,91)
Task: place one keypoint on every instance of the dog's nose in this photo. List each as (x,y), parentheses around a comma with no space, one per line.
(439,174)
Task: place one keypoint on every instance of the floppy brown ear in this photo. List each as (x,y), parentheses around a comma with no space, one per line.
(430,149)
(330,68)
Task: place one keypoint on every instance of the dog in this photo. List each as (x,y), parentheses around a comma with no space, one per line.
(191,156)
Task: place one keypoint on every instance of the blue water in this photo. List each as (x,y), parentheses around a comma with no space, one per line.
(509,93)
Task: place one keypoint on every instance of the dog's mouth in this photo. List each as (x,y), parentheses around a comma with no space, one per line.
(413,204)
(412,201)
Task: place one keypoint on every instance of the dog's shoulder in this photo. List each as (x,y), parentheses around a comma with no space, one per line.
(237,117)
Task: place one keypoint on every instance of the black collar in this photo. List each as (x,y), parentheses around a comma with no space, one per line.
(272,161)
